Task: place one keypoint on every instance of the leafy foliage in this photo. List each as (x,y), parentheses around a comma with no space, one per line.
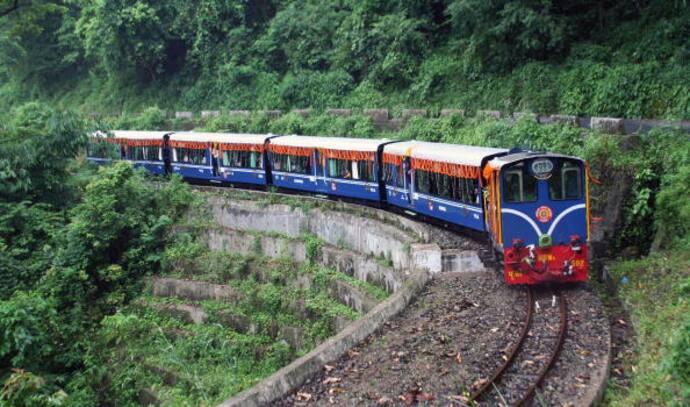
(32,150)
(73,247)
(589,57)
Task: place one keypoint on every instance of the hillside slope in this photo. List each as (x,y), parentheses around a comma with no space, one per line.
(603,58)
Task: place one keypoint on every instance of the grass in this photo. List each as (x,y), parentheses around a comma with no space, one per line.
(324,274)
(657,296)
(213,361)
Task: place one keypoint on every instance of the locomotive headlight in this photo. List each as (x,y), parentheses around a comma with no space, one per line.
(545,240)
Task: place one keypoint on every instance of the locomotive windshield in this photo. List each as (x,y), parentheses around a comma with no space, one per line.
(564,178)
(566,181)
(518,184)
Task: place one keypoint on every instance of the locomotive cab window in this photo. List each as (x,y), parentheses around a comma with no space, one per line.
(518,184)
(566,181)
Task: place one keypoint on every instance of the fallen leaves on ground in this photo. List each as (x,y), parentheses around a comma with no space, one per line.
(479,382)
(303,396)
(416,396)
(331,380)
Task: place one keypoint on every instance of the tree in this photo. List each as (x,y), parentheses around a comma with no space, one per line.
(385,49)
(35,152)
(499,34)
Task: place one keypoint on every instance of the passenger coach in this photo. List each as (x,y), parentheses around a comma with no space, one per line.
(219,157)
(438,180)
(335,166)
(143,148)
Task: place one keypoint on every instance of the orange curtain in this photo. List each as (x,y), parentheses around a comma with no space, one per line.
(392,159)
(241,147)
(134,142)
(348,154)
(199,145)
(291,150)
(454,170)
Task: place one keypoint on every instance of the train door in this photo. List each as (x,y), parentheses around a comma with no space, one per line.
(407,179)
(319,175)
(166,154)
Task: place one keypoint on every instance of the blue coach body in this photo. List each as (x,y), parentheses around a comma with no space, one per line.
(335,166)
(437,180)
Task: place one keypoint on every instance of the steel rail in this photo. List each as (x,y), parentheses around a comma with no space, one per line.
(513,351)
(563,328)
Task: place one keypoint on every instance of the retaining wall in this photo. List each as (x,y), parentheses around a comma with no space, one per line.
(341,229)
(296,373)
(366,243)
(384,120)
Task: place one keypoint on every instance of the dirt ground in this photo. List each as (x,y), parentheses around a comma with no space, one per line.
(444,341)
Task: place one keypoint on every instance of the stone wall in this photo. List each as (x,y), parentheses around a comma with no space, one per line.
(385,120)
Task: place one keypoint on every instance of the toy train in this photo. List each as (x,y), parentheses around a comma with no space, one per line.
(533,206)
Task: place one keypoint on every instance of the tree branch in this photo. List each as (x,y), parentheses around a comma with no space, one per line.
(14,7)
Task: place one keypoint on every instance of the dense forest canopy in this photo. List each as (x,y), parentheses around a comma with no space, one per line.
(605,57)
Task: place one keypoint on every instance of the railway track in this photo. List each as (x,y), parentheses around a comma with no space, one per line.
(516,380)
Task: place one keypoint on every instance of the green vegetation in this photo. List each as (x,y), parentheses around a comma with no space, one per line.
(657,292)
(615,58)
(149,344)
(74,247)
(655,289)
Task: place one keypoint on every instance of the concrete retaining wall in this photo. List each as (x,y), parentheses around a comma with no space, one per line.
(193,290)
(296,373)
(341,229)
(461,261)
(226,239)
(361,267)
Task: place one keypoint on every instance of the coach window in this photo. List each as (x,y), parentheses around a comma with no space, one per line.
(566,182)
(340,168)
(365,170)
(143,153)
(292,163)
(242,159)
(389,171)
(445,186)
(472,191)
(425,182)
(394,175)
(189,156)
(519,185)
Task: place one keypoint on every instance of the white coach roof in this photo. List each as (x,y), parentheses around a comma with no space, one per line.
(332,143)
(443,152)
(229,138)
(139,135)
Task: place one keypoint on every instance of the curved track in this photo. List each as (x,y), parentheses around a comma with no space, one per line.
(517,379)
